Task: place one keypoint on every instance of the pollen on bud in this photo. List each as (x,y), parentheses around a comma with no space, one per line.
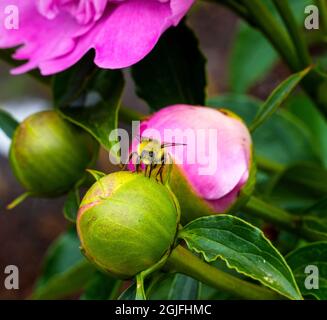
(127,222)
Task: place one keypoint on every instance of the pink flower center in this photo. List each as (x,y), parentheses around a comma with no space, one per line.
(84,11)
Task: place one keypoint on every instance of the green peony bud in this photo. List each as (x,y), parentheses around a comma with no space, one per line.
(127,223)
(49,155)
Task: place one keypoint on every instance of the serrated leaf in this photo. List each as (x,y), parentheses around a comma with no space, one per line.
(277,97)
(244,248)
(90,97)
(184,288)
(174,72)
(7,123)
(314,254)
(65,270)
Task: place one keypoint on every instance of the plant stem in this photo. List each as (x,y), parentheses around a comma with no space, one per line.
(268,212)
(259,16)
(238,8)
(280,217)
(183,261)
(273,31)
(269,165)
(292,27)
(322,5)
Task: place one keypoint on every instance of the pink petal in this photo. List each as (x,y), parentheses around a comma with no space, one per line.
(233,147)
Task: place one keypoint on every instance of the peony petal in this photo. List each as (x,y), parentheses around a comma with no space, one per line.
(231,160)
(124,35)
(179,9)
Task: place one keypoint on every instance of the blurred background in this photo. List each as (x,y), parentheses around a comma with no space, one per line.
(27,231)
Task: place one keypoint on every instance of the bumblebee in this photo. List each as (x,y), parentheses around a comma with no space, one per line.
(152,156)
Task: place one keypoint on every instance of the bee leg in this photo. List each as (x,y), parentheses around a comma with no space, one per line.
(146,170)
(138,164)
(160,173)
(130,157)
(152,167)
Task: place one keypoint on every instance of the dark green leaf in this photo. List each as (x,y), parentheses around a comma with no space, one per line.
(90,97)
(316,226)
(298,187)
(72,205)
(278,96)
(7,123)
(307,175)
(184,288)
(129,293)
(66,283)
(302,107)
(301,259)
(283,138)
(244,248)
(174,72)
(250,63)
(100,287)
(65,270)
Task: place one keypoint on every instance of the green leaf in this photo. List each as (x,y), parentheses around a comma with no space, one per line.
(90,97)
(283,138)
(184,288)
(97,175)
(72,205)
(303,108)
(307,175)
(244,248)
(7,123)
(65,270)
(314,254)
(129,293)
(100,287)
(250,63)
(316,226)
(278,96)
(174,72)
(298,186)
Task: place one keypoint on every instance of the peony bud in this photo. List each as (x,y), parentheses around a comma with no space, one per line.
(213,168)
(127,223)
(49,155)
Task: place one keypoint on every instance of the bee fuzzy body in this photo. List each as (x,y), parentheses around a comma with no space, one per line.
(151,157)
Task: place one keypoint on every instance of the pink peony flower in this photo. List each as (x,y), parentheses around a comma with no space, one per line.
(54,34)
(216,159)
